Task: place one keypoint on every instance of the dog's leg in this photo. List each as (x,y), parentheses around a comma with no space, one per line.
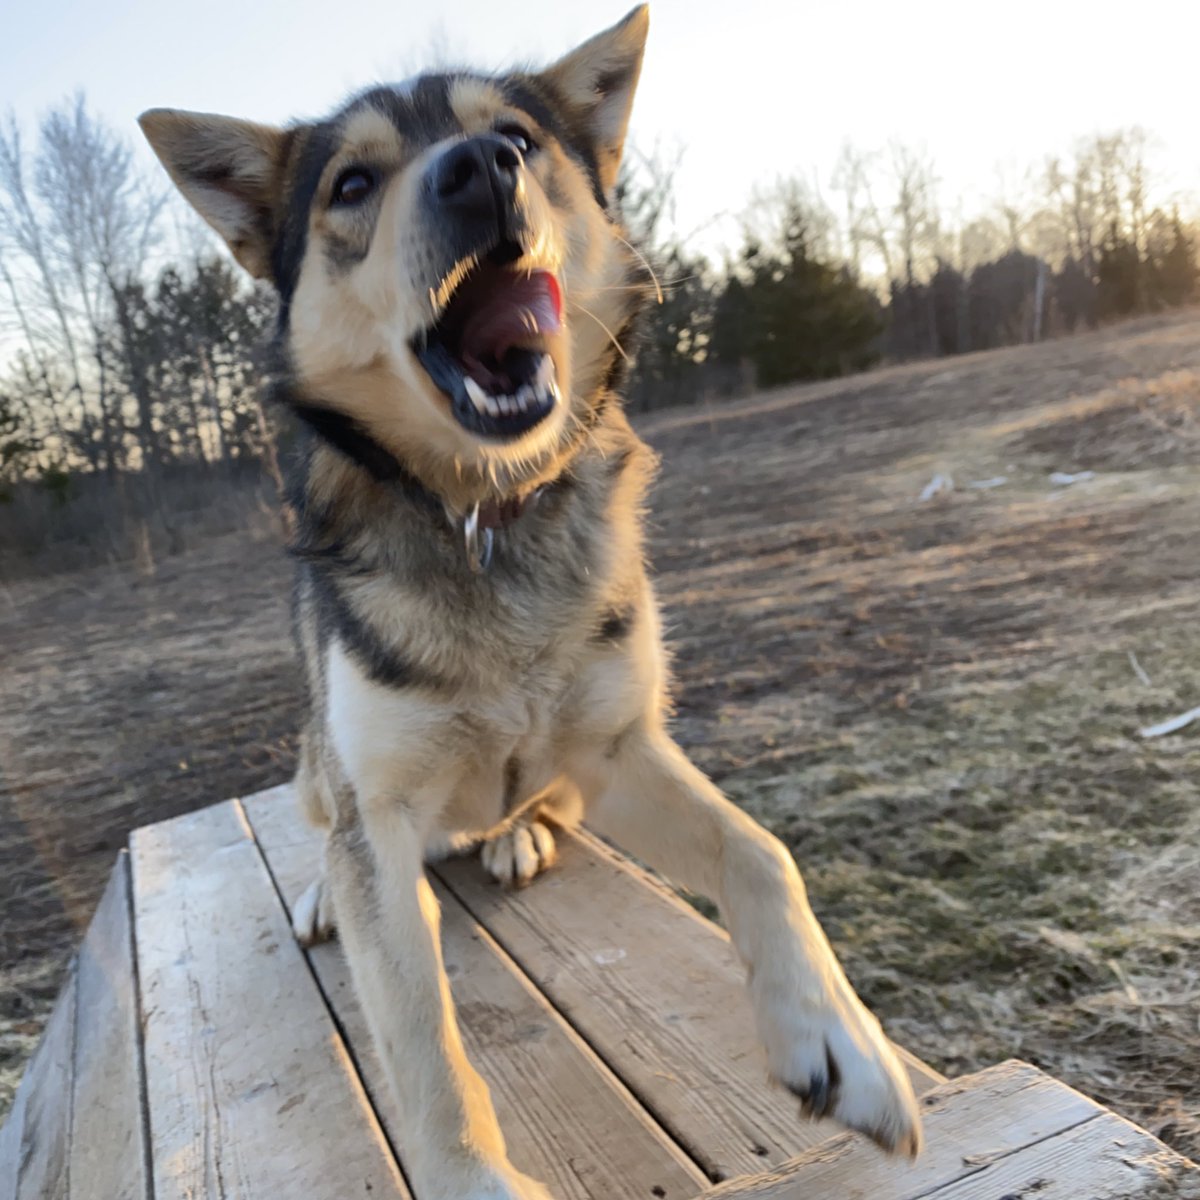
(312,916)
(821,1041)
(388,921)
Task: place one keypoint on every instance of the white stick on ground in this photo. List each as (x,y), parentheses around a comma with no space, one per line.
(1175,723)
(1139,670)
(938,484)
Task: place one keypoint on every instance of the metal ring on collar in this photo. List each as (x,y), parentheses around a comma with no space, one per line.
(478,543)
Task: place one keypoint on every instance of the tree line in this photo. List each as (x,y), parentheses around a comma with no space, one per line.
(878,272)
(132,351)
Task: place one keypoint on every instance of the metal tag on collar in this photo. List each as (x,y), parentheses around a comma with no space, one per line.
(478,542)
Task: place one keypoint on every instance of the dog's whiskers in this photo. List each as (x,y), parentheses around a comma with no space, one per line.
(612,337)
(647,288)
(645,263)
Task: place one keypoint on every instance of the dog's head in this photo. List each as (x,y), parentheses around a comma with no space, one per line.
(453,280)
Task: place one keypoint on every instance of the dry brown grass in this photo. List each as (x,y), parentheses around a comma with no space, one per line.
(932,702)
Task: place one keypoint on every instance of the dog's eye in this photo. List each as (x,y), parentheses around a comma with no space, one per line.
(519,137)
(353,186)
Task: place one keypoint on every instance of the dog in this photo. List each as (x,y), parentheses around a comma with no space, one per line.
(478,632)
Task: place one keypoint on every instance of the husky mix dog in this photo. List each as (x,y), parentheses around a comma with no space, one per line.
(479,636)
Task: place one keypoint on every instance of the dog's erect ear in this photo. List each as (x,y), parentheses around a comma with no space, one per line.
(229,171)
(597,81)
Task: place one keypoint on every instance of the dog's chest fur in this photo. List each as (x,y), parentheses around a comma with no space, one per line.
(497,678)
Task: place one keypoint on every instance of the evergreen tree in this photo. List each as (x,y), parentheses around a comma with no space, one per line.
(1118,275)
(1172,267)
(1075,294)
(16,444)
(792,315)
(1001,301)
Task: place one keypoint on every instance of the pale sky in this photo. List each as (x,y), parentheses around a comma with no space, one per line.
(751,89)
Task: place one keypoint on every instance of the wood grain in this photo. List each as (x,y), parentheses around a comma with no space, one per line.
(969,1123)
(10,1136)
(43,1167)
(250,1090)
(108,1135)
(1105,1159)
(567,1120)
(658,992)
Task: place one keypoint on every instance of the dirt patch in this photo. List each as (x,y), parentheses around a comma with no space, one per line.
(932,702)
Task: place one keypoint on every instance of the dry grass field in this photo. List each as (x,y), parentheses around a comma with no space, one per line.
(933,701)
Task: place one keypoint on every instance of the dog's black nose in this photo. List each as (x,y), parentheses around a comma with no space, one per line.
(480,176)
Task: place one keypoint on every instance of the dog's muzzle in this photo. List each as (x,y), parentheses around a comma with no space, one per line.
(490,350)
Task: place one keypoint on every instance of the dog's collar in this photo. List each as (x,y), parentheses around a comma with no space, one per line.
(478,526)
(481,521)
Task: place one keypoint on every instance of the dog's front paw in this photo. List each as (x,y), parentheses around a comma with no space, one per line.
(521,851)
(312,917)
(836,1058)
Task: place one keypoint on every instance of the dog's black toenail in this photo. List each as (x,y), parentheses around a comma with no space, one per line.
(820,1093)
(831,1067)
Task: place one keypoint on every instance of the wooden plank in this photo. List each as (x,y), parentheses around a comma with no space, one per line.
(10,1146)
(250,1089)
(108,1134)
(566,1119)
(1108,1158)
(43,1159)
(968,1124)
(658,992)
(10,1137)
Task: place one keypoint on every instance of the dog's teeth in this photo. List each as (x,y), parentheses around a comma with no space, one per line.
(477,395)
(541,390)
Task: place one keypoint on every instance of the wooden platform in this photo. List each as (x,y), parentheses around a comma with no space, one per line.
(197,1052)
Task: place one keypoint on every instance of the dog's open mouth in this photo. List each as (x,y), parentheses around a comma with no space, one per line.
(490,350)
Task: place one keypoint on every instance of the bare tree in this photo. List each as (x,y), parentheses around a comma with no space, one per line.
(915,209)
(76,222)
(767,216)
(866,226)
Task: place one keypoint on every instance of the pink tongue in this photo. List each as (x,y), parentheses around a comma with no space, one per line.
(518,308)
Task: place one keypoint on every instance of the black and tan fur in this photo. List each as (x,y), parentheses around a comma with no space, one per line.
(451,706)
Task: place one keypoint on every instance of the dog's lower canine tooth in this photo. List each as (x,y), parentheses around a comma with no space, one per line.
(545,373)
(477,395)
